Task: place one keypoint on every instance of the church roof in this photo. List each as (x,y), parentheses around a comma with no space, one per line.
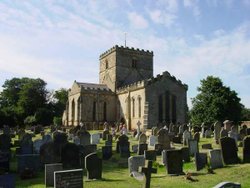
(91,86)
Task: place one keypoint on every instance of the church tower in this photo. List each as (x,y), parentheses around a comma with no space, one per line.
(121,66)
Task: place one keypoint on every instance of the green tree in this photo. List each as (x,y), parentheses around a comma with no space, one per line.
(215,102)
(245,114)
(60,98)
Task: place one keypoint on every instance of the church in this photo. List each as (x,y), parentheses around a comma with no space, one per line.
(127,92)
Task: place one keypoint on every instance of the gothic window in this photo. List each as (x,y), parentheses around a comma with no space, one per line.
(94,111)
(106,64)
(173,98)
(167,106)
(104,111)
(134,63)
(139,106)
(73,111)
(160,108)
(133,107)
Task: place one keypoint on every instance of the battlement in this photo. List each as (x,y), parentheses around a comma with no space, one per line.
(126,49)
(132,87)
(166,74)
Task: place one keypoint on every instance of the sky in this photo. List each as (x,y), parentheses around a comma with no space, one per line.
(60,41)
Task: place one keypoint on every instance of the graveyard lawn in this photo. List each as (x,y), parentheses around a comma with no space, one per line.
(114,176)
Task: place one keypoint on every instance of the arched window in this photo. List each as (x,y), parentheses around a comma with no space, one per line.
(73,111)
(133,107)
(160,108)
(94,111)
(106,64)
(104,111)
(139,106)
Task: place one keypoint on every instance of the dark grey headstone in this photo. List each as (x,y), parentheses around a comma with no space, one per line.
(49,173)
(174,162)
(197,136)
(93,164)
(106,152)
(5,142)
(123,145)
(135,148)
(193,147)
(50,153)
(150,155)
(4,161)
(30,163)
(200,160)
(86,150)
(142,148)
(84,138)
(26,144)
(158,148)
(215,158)
(7,181)
(246,149)
(185,154)
(70,156)
(229,150)
(68,178)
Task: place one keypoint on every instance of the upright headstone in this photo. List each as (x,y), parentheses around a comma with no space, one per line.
(193,147)
(217,129)
(84,138)
(37,145)
(223,133)
(21,133)
(233,134)
(208,133)
(200,160)
(227,125)
(68,178)
(7,181)
(150,155)
(49,153)
(153,140)
(5,142)
(155,131)
(106,152)
(26,144)
(95,138)
(49,173)
(164,139)
(4,162)
(246,149)
(70,156)
(142,148)
(215,158)
(138,130)
(84,151)
(186,136)
(185,154)
(203,130)
(123,145)
(104,134)
(142,139)
(174,162)
(93,164)
(229,150)
(197,136)
(134,162)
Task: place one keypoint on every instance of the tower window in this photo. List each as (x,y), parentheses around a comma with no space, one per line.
(107,64)
(134,63)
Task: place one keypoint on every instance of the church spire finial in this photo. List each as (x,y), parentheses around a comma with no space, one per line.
(125,38)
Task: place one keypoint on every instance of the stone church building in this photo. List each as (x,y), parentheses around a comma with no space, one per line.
(127,92)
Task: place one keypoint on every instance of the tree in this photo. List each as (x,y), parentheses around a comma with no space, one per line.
(60,100)
(215,102)
(245,114)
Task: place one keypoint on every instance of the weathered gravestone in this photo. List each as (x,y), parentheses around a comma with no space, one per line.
(229,150)
(59,140)
(26,144)
(134,162)
(142,139)
(158,148)
(248,131)
(84,138)
(28,165)
(217,129)
(68,178)
(174,162)
(200,160)
(135,148)
(153,140)
(185,154)
(46,138)
(95,138)
(123,146)
(93,164)
(246,149)
(197,136)
(7,181)
(155,131)
(193,147)
(233,134)
(228,185)
(5,142)
(37,145)
(223,133)
(106,152)
(70,156)
(150,155)
(164,139)
(49,173)
(104,134)
(142,148)
(109,140)
(138,131)
(49,153)
(186,136)
(208,133)
(86,150)
(4,162)
(215,158)
(148,171)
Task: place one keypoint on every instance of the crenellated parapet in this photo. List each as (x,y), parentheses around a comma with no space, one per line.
(126,49)
(132,87)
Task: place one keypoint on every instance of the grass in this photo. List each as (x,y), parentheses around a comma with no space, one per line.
(114,176)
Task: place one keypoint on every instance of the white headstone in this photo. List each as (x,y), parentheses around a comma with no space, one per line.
(153,140)
(134,162)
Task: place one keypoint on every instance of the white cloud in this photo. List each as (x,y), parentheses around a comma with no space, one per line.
(137,20)
(193,5)
(161,17)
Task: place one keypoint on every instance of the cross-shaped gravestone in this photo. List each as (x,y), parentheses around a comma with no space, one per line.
(148,171)
(138,129)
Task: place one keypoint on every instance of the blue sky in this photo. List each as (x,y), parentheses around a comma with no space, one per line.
(60,41)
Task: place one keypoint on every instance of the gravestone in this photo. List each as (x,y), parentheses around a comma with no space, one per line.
(203,130)
(200,160)
(153,140)
(142,148)
(49,173)
(109,140)
(150,155)
(223,133)
(138,131)
(5,142)
(217,129)
(135,148)
(93,164)
(197,136)
(59,140)
(155,131)
(76,140)
(229,150)
(227,125)
(148,171)
(84,138)
(134,162)
(174,162)
(193,147)
(164,139)
(28,165)
(246,149)
(95,138)
(158,148)
(123,145)
(70,156)
(37,145)
(4,162)
(142,139)
(206,146)
(216,160)
(7,181)
(104,134)
(228,185)
(233,134)
(185,154)
(248,131)
(68,178)
(49,153)
(208,133)
(26,144)
(106,152)
(186,136)
(84,151)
